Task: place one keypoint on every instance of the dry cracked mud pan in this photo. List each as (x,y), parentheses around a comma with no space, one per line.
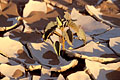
(59,39)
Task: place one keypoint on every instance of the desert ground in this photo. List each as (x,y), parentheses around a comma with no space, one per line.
(34,45)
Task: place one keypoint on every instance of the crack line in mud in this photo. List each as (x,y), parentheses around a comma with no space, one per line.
(87,71)
(113,50)
(30,54)
(100,33)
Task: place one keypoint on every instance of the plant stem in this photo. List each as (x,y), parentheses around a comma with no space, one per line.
(55,32)
(63,43)
(63,40)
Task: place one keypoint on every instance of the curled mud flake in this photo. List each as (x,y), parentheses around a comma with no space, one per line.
(18,73)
